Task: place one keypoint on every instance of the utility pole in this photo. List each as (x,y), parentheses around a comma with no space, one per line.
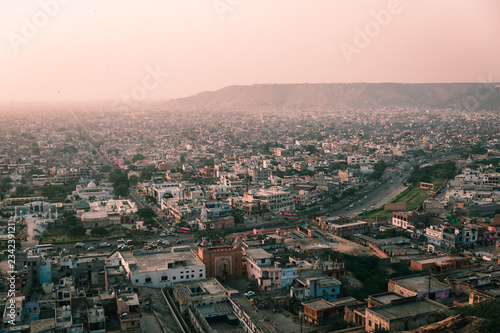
(429,287)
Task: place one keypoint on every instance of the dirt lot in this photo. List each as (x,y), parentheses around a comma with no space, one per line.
(346,246)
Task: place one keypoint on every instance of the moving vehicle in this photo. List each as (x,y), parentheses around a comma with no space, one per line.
(185,230)
(44,248)
(249,293)
(104,244)
(79,244)
(91,248)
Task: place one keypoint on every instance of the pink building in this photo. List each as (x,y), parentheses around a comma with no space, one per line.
(259,266)
(129,313)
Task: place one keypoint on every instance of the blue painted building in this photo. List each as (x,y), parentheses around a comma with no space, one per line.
(315,286)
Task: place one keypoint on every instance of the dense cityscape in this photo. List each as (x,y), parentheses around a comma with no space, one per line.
(231,166)
(317,220)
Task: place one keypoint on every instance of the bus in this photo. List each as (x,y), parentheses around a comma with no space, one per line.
(185,230)
(44,248)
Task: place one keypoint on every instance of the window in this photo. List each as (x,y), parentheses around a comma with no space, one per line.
(201,275)
(136,281)
(182,277)
(174,278)
(164,278)
(147,280)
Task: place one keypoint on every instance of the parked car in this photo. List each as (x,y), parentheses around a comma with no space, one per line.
(91,248)
(163,234)
(249,294)
(121,240)
(104,244)
(79,244)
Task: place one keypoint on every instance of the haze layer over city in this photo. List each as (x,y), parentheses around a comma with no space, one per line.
(249,166)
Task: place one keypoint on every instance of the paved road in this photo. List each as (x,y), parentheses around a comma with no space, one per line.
(378,197)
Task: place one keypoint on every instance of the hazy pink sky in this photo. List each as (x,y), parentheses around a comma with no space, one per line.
(101,49)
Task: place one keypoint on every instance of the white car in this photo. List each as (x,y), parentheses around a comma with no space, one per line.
(79,244)
(249,294)
(91,248)
(121,240)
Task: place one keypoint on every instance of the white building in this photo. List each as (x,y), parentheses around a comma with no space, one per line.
(274,199)
(434,235)
(159,269)
(114,206)
(361,160)
(47,210)
(92,190)
(159,190)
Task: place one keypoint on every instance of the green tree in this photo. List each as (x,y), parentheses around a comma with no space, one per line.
(35,171)
(149,222)
(22,190)
(133,180)
(146,213)
(70,221)
(5,186)
(478,149)
(150,199)
(77,231)
(138,157)
(114,175)
(99,231)
(147,173)
(105,168)
(348,192)
(238,216)
(378,170)
(312,149)
(49,191)
(121,190)
(487,310)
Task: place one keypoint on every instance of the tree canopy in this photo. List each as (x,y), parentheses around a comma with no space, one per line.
(146,213)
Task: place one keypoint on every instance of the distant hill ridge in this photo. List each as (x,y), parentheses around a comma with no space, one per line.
(435,95)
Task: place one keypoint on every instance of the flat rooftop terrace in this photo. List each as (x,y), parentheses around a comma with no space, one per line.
(405,310)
